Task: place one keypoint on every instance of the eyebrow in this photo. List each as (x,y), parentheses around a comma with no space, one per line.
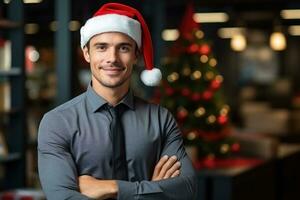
(120,44)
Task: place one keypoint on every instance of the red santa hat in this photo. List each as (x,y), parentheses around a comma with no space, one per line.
(116,17)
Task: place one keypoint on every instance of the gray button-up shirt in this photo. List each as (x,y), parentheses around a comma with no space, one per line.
(74,140)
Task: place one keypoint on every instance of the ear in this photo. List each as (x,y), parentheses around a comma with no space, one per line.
(86,54)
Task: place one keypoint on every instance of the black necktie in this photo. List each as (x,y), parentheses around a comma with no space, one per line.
(119,164)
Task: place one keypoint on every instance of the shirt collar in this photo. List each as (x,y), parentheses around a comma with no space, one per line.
(97,101)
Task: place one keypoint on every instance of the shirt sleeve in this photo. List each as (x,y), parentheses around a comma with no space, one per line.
(182,187)
(57,170)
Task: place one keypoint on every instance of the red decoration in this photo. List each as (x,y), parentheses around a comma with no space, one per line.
(196,96)
(169,91)
(182,114)
(213,135)
(207,95)
(204,49)
(188,24)
(209,162)
(222,119)
(215,84)
(185,92)
(193,48)
(214,163)
(235,147)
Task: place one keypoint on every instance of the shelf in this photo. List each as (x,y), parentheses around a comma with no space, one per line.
(9,112)
(4,23)
(10,158)
(11,72)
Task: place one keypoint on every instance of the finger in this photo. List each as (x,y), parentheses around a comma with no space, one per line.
(159,165)
(176,173)
(167,166)
(176,166)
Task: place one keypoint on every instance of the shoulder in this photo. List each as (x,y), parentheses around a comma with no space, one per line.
(152,109)
(65,110)
(71,104)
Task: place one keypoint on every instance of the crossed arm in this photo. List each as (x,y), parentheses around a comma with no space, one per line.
(59,178)
(167,167)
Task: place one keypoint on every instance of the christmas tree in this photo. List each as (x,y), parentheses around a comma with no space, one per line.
(191,90)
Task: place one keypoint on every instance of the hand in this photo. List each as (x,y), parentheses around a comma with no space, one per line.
(97,189)
(167,167)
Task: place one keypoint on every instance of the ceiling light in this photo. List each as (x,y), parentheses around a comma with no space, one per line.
(238,42)
(32,1)
(211,17)
(277,41)
(290,14)
(294,30)
(170,34)
(229,32)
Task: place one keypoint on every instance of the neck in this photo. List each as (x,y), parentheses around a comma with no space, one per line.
(112,95)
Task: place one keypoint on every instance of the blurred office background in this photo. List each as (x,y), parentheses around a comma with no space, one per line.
(250,54)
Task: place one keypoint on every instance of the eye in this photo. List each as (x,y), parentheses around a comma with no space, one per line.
(101,47)
(124,48)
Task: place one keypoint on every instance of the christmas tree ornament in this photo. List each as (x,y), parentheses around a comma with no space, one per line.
(222,119)
(196,75)
(211,119)
(193,48)
(204,49)
(199,112)
(224,148)
(204,58)
(185,92)
(212,62)
(191,135)
(219,78)
(207,95)
(199,34)
(169,91)
(182,113)
(215,84)
(186,71)
(196,96)
(173,77)
(224,111)
(209,75)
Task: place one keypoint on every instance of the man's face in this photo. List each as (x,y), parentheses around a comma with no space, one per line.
(111,56)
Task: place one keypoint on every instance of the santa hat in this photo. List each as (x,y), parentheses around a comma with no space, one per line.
(115,17)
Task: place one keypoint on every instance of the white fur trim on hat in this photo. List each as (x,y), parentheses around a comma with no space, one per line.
(111,23)
(151,77)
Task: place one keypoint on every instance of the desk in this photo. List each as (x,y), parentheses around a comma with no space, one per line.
(239,183)
(288,172)
(274,179)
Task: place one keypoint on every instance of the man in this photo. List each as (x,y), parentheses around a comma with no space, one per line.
(107,143)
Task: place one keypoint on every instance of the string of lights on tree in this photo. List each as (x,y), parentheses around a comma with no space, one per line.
(191,91)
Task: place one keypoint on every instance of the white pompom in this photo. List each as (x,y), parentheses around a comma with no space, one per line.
(151,77)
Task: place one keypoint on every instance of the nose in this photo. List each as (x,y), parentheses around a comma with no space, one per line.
(112,56)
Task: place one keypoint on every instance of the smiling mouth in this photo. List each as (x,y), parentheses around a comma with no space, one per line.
(112,70)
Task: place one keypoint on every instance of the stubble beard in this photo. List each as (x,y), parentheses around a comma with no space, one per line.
(112,85)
